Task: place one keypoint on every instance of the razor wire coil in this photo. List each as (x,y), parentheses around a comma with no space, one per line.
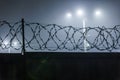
(53,37)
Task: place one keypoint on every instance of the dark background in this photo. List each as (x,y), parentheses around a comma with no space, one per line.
(56,66)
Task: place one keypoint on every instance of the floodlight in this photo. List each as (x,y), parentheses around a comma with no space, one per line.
(98,13)
(80,12)
(68,15)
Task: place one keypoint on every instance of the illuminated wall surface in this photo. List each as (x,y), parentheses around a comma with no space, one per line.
(56,38)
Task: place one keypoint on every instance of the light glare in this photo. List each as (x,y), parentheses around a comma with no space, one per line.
(6,42)
(98,13)
(15,43)
(69,15)
(80,12)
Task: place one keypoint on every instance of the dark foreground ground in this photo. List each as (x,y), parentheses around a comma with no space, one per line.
(60,66)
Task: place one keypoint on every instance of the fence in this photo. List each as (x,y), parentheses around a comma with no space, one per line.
(34,37)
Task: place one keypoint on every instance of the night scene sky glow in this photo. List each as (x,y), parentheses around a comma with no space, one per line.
(54,11)
(76,13)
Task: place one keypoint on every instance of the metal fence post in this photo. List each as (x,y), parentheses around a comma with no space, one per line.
(23,36)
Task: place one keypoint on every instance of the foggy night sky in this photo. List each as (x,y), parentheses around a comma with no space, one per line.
(53,11)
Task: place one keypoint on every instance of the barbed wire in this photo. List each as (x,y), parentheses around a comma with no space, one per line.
(53,37)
